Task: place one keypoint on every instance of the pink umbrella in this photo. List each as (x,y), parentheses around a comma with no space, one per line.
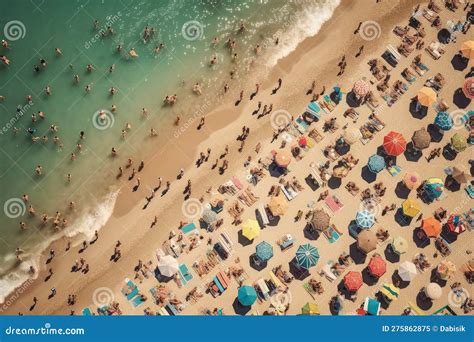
(468,88)
(361,88)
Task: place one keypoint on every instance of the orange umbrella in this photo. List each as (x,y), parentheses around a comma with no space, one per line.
(431,227)
(353,281)
(467,49)
(283,159)
(394,143)
(377,266)
(426,96)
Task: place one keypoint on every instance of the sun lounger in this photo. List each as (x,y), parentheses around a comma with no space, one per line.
(326,270)
(263,214)
(277,281)
(289,193)
(264,288)
(163,312)
(219,285)
(171,309)
(314,108)
(394,51)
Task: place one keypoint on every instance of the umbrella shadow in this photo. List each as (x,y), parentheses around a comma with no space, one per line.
(448,153)
(423,302)
(368,175)
(310,233)
(402,219)
(352,101)
(448,235)
(444,36)
(420,242)
(257,264)
(451,184)
(401,190)
(334,182)
(435,278)
(459,62)
(401,284)
(296,271)
(356,254)
(368,278)
(243,240)
(435,133)
(411,153)
(460,100)
(416,110)
(390,255)
(311,183)
(160,277)
(275,170)
(240,309)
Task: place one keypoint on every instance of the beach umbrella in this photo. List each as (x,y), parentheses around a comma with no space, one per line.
(459,176)
(310,309)
(264,251)
(278,205)
(407,271)
(365,219)
(320,220)
(444,121)
(421,139)
(377,266)
(467,49)
(168,265)
(250,229)
(399,245)
(372,306)
(468,88)
(394,143)
(302,141)
(411,207)
(247,295)
(353,281)
(446,269)
(367,241)
(307,256)
(376,163)
(412,180)
(434,187)
(390,291)
(351,135)
(456,224)
(431,227)
(433,291)
(426,96)
(361,88)
(283,159)
(209,216)
(459,142)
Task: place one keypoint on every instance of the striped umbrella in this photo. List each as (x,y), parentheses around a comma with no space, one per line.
(376,163)
(307,256)
(399,245)
(459,142)
(412,180)
(444,121)
(456,224)
(361,88)
(377,266)
(468,88)
(394,143)
(264,251)
(365,219)
(434,187)
(353,281)
(411,207)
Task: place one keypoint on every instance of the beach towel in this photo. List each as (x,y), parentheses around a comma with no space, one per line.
(137,301)
(314,107)
(188,228)
(219,285)
(237,182)
(394,170)
(333,203)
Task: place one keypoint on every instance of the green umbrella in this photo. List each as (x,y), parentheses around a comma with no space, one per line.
(264,251)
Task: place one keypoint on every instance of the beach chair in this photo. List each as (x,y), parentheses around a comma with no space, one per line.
(289,193)
(264,288)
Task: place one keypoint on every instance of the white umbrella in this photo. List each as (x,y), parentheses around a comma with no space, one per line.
(433,291)
(168,265)
(407,271)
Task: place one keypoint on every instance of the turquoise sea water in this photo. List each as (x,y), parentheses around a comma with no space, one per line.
(35,28)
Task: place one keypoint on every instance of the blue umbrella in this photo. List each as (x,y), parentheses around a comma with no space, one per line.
(444,121)
(376,163)
(247,295)
(264,251)
(307,256)
(365,219)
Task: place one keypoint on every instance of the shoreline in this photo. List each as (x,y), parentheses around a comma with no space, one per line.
(128,205)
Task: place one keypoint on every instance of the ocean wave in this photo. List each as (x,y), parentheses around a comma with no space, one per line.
(300,25)
(18,278)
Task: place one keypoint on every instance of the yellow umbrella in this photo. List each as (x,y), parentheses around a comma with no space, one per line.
(411,207)
(467,49)
(310,309)
(250,229)
(426,96)
(278,205)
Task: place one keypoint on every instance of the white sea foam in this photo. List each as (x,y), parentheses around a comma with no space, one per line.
(18,279)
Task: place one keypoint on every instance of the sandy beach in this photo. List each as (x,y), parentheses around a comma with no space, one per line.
(316,59)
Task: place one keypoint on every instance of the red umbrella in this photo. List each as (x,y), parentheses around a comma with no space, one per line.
(377,266)
(302,141)
(394,143)
(353,281)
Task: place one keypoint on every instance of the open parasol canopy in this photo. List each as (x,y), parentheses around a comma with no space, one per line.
(247,295)
(320,220)
(411,207)
(283,159)
(399,245)
(431,227)
(351,135)
(468,88)
(310,309)
(361,88)
(412,180)
(365,219)
(456,224)
(459,142)
(376,163)
(307,256)
(250,229)
(367,241)
(377,266)
(459,176)
(353,281)
(444,121)
(209,216)
(278,205)
(407,271)
(421,139)
(434,187)
(168,265)
(426,96)
(433,291)
(394,143)
(264,251)
(467,49)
